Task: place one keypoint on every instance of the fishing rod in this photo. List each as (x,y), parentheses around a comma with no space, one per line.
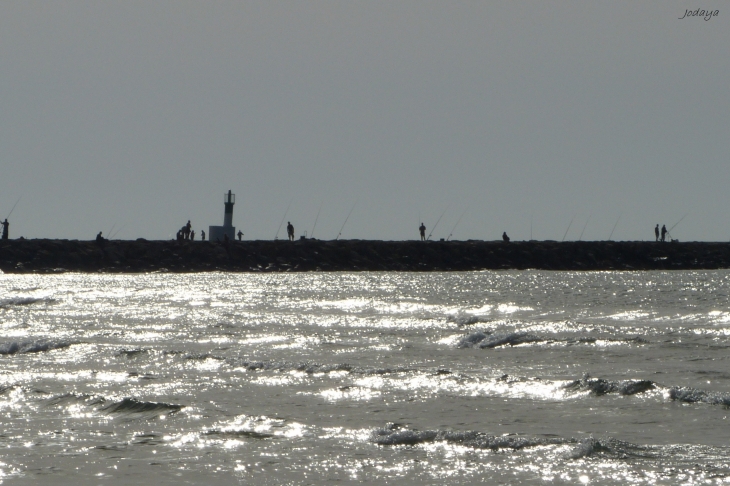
(311,235)
(110,231)
(282,219)
(117,231)
(457,224)
(584,226)
(675,224)
(614,227)
(669,231)
(569,225)
(13,209)
(348,217)
(437,223)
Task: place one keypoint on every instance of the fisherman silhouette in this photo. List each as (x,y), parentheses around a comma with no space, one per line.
(100,240)
(202,235)
(192,235)
(505,238)
(186,230)
(239,235)
(290,230)
(5,229)
(422,229)
(664,232)
(656,233)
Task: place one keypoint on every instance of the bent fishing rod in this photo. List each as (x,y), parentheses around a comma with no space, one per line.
(569,225)
(117,231)
(343,224)
(282,219)
(13,209)
(584,227)
(437,223)
(669,231)
(311,235)
(614,227)
(457,224)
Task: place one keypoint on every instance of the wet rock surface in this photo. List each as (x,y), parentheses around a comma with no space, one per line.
(57,256)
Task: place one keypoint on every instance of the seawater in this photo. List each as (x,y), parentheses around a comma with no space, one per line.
(508,377)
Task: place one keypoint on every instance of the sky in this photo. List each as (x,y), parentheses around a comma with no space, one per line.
(545,119)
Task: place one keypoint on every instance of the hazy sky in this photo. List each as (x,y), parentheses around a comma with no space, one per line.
(139,115)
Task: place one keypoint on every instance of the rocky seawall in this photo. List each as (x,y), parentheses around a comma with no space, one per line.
(57,256)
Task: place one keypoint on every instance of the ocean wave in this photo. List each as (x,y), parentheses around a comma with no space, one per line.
(313,368)
(467,319)
(248,434)
(131,353)
(693,395)
(32,347)
(608,447)
(18,301)
(72,399)
(393,435)
(132,406)
(488,340)
(599,386)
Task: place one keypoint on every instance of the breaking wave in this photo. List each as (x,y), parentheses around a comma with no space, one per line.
(132,406)
(32,347)
(488,340)
(312,368)
(18,301)
(392,435)
(599,386)
(693,395)
(485,340)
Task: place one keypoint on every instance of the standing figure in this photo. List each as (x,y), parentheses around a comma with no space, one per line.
(202,235)
(290,231)
(664,232)
(656,233)
(192,235)
(422,230)
(239,235)
(5,229)
(505,238)
(186,230)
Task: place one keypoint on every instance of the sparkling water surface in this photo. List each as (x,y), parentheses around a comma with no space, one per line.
(390,378)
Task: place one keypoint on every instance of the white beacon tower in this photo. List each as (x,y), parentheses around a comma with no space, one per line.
(216,233)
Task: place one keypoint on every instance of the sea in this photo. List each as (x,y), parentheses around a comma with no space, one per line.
(493,377)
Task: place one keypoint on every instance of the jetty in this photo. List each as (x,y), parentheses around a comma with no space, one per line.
(46,256)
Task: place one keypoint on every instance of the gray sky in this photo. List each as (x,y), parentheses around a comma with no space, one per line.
(140,115)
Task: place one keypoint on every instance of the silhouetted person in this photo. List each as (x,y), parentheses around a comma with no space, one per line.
(505,238)
(202,235)
(290,231)
(186,230)
(179,235)
(656,233)
(664,232)
(6,225)
(239,235)
(100,240)
(192,235)
(422,230)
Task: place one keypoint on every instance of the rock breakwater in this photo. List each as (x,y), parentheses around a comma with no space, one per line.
(118,256)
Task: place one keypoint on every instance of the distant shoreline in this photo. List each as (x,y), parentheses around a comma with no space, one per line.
(44,256)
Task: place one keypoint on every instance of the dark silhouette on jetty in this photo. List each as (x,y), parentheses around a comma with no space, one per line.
(304,255)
